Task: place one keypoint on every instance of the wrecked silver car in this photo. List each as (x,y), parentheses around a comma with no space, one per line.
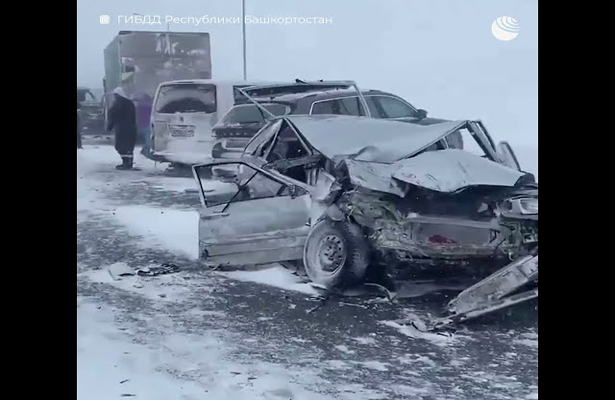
(352,197)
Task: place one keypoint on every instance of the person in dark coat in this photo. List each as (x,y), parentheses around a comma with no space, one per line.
(122,120)
(79,146)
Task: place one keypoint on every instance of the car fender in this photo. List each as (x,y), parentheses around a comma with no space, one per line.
(334,213)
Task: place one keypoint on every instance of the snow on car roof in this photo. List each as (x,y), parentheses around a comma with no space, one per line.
(369,139)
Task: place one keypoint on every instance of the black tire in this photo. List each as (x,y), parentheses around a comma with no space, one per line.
(336,254)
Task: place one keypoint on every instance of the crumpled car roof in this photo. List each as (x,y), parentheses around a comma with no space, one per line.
(368,139)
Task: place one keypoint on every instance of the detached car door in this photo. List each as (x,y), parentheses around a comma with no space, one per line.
(260,218)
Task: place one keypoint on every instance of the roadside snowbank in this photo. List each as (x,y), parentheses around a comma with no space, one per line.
(175,230)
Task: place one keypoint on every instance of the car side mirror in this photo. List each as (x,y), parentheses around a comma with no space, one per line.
(421,114)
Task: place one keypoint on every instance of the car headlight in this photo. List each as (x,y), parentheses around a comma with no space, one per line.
(522,206)
(528,206)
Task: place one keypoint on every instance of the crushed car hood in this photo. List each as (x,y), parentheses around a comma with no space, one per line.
(444,171)
(451,170)
(369,139)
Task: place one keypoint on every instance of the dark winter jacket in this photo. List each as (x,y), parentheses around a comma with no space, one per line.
(123,121)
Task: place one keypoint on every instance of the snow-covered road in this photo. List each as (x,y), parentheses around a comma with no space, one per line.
(248,334)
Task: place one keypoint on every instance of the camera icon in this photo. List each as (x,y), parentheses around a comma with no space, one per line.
(105,20)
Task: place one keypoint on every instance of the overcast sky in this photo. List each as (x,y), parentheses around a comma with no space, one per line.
(439,55)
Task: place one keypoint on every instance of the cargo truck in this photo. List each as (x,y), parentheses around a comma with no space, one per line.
(139,61)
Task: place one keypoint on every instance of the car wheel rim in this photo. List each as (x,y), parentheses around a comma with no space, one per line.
(331,253)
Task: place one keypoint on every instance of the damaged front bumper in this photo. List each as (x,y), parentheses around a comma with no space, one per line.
(500,290)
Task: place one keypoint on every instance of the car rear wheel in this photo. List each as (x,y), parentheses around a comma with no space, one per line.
(336,254)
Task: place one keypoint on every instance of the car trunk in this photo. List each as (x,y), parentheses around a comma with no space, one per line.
(241,131)
(184,115)
(239,125)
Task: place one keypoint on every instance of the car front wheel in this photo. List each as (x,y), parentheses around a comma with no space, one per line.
(336,254)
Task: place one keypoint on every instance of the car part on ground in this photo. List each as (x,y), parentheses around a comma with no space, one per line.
(498,291)
(164,269)
(355,196)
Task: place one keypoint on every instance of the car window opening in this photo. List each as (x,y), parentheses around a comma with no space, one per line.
(257,186)
(287,147)
(241,191)
(186,98)
(259,143)
(439,145)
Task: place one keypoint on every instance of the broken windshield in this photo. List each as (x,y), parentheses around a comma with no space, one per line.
(186,98)
(464,139)
(265,135)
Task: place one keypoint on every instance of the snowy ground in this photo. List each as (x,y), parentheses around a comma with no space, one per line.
(253,334)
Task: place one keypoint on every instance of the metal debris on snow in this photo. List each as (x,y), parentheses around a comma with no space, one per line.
(164,269)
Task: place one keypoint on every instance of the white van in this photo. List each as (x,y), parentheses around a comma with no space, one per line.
(183,115)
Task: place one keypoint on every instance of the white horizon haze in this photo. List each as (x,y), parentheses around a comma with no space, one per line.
(439,55)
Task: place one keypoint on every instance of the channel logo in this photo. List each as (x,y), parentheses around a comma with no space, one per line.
(505,28)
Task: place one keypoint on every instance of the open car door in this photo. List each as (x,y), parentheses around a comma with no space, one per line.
(260,218)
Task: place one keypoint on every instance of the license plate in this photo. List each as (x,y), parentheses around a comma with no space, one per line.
(182,130)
